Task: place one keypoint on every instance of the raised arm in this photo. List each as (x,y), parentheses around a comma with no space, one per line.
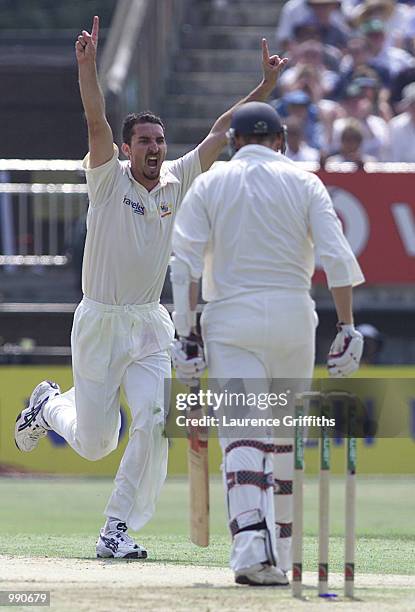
(212,145)
(99,132)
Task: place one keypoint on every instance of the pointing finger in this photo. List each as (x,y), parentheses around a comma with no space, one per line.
(265,50)
(95,29)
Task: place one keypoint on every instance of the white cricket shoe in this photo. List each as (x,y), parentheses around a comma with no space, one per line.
(30,425)
(261,574)
(118,544)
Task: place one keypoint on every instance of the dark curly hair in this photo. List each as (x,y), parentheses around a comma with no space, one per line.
(133,118)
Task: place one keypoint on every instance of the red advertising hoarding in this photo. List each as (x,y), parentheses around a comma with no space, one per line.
(378,215)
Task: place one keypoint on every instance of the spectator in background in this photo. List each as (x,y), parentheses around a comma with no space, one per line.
(298,104)
(351,139)
(395,15)
(333,30)
(297,148)
(303,31)
(369,83)
(309,71)
(403,79)
(358,57)
(326,14)
(375,131)
(316,81)
(402,128)
(308,30)
(306,78)
(381,54)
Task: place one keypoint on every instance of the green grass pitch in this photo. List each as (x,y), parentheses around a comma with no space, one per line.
(61,517)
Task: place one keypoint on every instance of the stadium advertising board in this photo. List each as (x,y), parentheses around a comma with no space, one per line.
(378,212)
(56,457)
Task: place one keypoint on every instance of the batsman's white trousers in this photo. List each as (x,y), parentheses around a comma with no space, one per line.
(267,335)
(114,346)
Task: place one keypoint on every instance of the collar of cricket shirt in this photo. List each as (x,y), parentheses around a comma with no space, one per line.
(165,177)
(254,150)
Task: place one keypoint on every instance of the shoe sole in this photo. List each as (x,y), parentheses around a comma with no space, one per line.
(17,430)
(132,555)
(15,441)
(247,581)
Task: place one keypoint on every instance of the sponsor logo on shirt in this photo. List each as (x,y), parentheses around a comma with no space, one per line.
(165,209)
(138,208)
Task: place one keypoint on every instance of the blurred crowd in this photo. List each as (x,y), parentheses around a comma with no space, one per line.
(348,92)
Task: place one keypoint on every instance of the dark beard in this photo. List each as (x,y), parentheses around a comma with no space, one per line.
(151,178)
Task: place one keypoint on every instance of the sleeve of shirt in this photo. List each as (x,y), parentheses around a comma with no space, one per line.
(186,169)
(192,230)
(102,180)
(338,260)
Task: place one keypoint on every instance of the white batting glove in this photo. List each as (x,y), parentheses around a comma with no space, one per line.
(188,360)
(345,352)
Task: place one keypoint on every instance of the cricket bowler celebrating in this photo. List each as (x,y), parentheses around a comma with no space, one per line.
(121,334)
(250,227)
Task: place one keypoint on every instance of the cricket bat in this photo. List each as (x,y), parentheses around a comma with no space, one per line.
(198,469)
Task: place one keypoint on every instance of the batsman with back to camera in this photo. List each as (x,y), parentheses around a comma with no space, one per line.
(121,333)
(250,228)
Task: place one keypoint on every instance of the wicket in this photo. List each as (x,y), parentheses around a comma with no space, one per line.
(324,400)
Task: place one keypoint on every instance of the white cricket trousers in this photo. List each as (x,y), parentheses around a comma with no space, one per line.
(260,337)
(114,346)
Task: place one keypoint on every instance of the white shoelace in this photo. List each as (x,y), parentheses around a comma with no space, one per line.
(124,537)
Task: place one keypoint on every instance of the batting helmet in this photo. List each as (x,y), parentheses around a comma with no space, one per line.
(256,118)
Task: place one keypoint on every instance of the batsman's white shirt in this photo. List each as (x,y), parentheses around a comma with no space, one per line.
(128,241)
(252,224)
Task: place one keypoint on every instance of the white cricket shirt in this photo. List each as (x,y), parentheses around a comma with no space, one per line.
(402,135)
(252,224)
(128,242)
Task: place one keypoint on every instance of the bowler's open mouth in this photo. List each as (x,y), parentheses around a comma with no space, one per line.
(152,161)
